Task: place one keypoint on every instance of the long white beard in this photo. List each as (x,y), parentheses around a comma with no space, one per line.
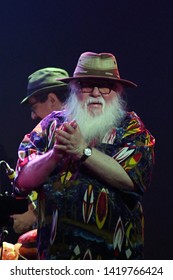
(94,126)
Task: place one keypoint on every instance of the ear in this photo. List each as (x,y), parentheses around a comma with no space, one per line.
(52,98)
(56,104)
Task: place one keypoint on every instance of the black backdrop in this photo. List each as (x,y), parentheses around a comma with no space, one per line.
(36,34)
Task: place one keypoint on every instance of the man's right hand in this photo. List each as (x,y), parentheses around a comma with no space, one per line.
(24,222)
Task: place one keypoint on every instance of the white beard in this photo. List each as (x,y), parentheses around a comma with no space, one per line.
(94,126)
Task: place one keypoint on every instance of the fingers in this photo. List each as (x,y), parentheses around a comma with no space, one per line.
(73,124)
(69,127)
(65,134)
(59,134)
(67,139)
(60,149)
(66,130)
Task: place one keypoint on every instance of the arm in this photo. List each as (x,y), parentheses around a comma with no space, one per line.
(36,171)
(109,170)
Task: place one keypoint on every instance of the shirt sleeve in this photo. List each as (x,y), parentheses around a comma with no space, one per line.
(33,144)
(136,154)
(39,141)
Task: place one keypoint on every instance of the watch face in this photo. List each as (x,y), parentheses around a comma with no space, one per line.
(88,152)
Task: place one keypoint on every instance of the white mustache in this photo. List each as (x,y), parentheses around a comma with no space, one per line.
(95,100)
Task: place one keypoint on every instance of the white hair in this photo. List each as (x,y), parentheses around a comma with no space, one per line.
(94,126)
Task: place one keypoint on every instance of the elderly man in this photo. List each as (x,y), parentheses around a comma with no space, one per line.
(91,165)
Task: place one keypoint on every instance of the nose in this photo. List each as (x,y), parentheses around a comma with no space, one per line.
(33,116)
(95,92)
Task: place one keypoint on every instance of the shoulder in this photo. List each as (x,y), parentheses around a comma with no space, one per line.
(133,122)
(55,116)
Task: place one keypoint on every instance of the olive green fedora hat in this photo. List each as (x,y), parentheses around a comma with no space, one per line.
(45,80)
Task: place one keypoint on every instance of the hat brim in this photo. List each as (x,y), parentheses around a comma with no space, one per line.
(125,83)
(62,87)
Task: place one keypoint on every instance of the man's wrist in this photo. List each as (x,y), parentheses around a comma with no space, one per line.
(87,152)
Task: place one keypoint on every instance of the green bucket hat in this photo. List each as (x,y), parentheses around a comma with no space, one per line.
(45,80)
(98,66)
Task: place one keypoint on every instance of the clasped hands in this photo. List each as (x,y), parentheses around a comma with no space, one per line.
(69,141)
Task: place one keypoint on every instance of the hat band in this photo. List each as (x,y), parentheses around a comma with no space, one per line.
(45,87)
(113,73)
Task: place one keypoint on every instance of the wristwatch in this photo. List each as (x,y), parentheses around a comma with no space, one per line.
(87,152)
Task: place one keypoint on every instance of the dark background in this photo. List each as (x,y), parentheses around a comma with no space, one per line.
(36,34)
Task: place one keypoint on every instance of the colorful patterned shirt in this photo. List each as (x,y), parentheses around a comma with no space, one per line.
(81,217)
